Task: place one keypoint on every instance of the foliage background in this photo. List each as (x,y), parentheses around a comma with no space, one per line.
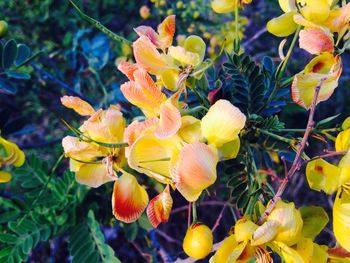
(78,60)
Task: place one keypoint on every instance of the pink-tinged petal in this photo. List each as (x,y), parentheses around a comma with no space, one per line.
(316,41)
(93,175)
(148,57)
(159,208)
(166,31)
(129,199)
(194,169)
(80,150)
(324,67)
(339,19)
(127,69)
(169,120)
(149,33)
(78,105)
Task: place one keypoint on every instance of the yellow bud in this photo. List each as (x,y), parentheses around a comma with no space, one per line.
(206,35)
(315,11)
(179,4)
(195,14)
(169,12)
(145,12)
(198,241)
(3,28)
(223,6)
(162,2)
(214,41)
(283,25)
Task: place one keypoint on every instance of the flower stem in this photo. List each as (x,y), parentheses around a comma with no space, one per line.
(194,212)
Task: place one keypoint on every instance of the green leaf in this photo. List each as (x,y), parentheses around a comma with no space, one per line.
(8,238)
(9,54)
(23,54)
(325,122)
(7,88)
(315,219)
(17,75)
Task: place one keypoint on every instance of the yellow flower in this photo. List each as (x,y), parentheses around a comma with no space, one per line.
(315,11)
(283,25)
(342,143)
(325,68)
(10,154)
(145,12)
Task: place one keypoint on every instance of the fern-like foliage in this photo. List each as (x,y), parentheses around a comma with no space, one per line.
(46,209)
(87,243)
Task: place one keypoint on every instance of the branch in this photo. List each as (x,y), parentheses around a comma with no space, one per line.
(297,160)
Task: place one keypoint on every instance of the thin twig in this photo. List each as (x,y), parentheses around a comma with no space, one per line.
(207,203)
(217,222)
(168,238)
(332,154)
(297,160)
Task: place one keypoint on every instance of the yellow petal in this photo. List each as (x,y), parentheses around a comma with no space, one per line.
(183,56)
(287,5)
(159,208)
(195,44)
(244,229)
(129,199)
(288,254)
(289,220)
(93,175)
(78,105)
(223,6)
(79,150)
(127,69)
(105,126)
(341,218)
(166,31)
(194,169)
(223,253)
(169,79)
(5,177)
(265,233)
(229,150)
(315,219)
(151,155)
(342,143)
(316,41)
(222,123)
(344,166)
(283,25)
(147,56)
(169,120)
(324,67)
(315,11)
(14,155)
(190,130)
(346,124)
(300,20)
(322,175)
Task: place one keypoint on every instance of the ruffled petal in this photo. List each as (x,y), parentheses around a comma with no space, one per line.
(14,155)
(341,218)
(159,208)
(93,175)
(166,32)
(222,123)
(149,33)
(322,175)
(169,120)
(316,41)
(127,69)
(78,105)
(148,57)
(324,67)
(5,177)
(265,233)
(194,169)
(129,199)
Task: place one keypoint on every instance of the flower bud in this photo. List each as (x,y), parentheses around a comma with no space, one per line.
(198,241)
(3,28)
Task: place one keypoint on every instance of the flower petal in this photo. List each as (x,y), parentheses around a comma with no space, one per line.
(190,130)
(283,25)
(169,120)
(322,175)
(265,233)
(342,143)
(183,56)
(151,155)
(288,254)
(316,41)
(5,177)
(79,150)
(78,105)
(127,69)
(166,31)
(148,57)
(14,155)
(223,6)
(222,123)
(129,199)
(323,67)
(149,33)
(194,169)
(222,255)
(287,5)
(341,218)
(93,175)
(159,208)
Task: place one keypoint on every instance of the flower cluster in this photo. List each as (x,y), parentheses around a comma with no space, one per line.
(324,28)
(168,145)
(10,154)
(287,231)
(329,178)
